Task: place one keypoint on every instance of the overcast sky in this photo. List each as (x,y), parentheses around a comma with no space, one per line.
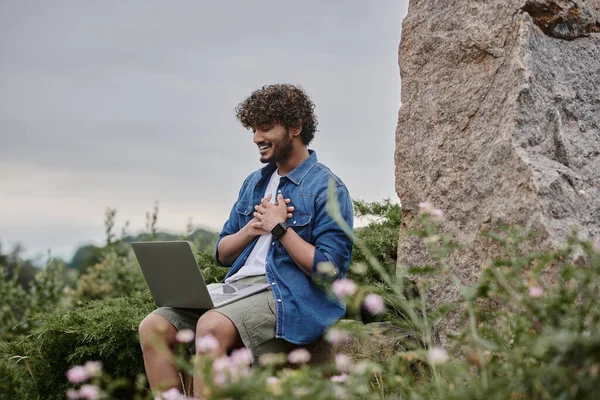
(121,103)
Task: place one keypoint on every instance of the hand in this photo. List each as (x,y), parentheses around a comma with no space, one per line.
(269,215)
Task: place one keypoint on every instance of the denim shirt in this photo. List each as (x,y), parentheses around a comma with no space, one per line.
(303,309)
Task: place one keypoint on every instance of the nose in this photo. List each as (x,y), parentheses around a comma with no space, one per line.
(258,137)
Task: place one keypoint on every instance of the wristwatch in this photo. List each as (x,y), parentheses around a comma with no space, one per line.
(279,230)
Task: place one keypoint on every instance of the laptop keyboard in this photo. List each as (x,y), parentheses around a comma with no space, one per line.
(218,297)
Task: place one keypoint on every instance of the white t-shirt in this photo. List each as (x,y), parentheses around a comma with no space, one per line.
(255,264)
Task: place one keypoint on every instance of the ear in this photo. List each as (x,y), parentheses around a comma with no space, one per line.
(297,130)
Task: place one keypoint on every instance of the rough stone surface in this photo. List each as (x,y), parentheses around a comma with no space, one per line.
(499,124)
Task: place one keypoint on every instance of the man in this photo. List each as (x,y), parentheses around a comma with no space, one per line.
(278,232)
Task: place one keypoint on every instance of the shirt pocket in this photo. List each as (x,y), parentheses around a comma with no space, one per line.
(245,211)
(300,223)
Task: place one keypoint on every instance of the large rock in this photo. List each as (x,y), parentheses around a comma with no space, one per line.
(499,124)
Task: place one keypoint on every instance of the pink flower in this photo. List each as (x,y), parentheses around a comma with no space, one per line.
(336,336)
(89,392)
(274,386)
(343,362)
(72,394)
(207,344)
(343,287)
(425,207)
(94,368)
(172,394)
(437,214)
(339,378)
(185,336)
(535,291)
(299,356)
(78,374)
(220,379)
(221,364)
(437,356)
(374,304)
(596,246)
(241,357)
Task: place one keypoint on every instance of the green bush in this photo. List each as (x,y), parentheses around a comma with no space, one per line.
(380,236)
(103,330)
(46,292)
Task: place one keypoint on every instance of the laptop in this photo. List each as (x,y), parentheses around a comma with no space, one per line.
(175,280)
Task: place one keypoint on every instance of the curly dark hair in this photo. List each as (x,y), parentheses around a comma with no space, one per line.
(282,103)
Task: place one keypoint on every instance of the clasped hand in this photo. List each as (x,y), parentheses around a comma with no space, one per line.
(267,214)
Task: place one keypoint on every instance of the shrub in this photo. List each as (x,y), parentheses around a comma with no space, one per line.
(103,330)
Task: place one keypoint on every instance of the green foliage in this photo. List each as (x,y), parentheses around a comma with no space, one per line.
(45,294)
(115,276)
(99,330)
(531,326)
(380,236)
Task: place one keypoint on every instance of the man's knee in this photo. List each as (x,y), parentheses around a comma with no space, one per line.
(155,330)
(221,327)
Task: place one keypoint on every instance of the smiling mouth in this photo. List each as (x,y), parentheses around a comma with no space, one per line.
(263,146)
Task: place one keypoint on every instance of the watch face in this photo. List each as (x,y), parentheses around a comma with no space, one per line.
(278,231)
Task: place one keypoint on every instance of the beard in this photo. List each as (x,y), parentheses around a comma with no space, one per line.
(280,150)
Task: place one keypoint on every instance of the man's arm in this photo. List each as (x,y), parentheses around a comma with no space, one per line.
(231,246)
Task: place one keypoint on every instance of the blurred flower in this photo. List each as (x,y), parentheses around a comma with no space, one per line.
(72,394)
(425,207)
(172,394)
(272,359)
(94,368)
(343,287)
(596,246)
(274,386)
(221,364)
(78,374)
(327,268)
(185,336)
(428,209)
(374,304)
(339,378)
(535,291)
(207,344)
(241,357)
(336,336)
(437,356)
(360,268)
(299,356)
(437,214)
(343,362)
(220,379)
(89,392)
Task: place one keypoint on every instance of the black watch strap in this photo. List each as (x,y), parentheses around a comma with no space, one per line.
(279,230)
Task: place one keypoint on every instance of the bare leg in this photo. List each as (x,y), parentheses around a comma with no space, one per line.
(224,330)
(157,336)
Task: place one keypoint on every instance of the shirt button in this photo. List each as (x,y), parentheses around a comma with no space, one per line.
(273,244)
(294,222)
(279,191)
(273,284)
(279,300)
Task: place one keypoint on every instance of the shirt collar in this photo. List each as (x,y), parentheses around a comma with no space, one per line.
(298,174)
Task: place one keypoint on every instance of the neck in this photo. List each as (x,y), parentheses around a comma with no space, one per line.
(295,158)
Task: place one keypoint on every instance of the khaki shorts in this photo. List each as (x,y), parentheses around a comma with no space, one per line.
(253,316)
